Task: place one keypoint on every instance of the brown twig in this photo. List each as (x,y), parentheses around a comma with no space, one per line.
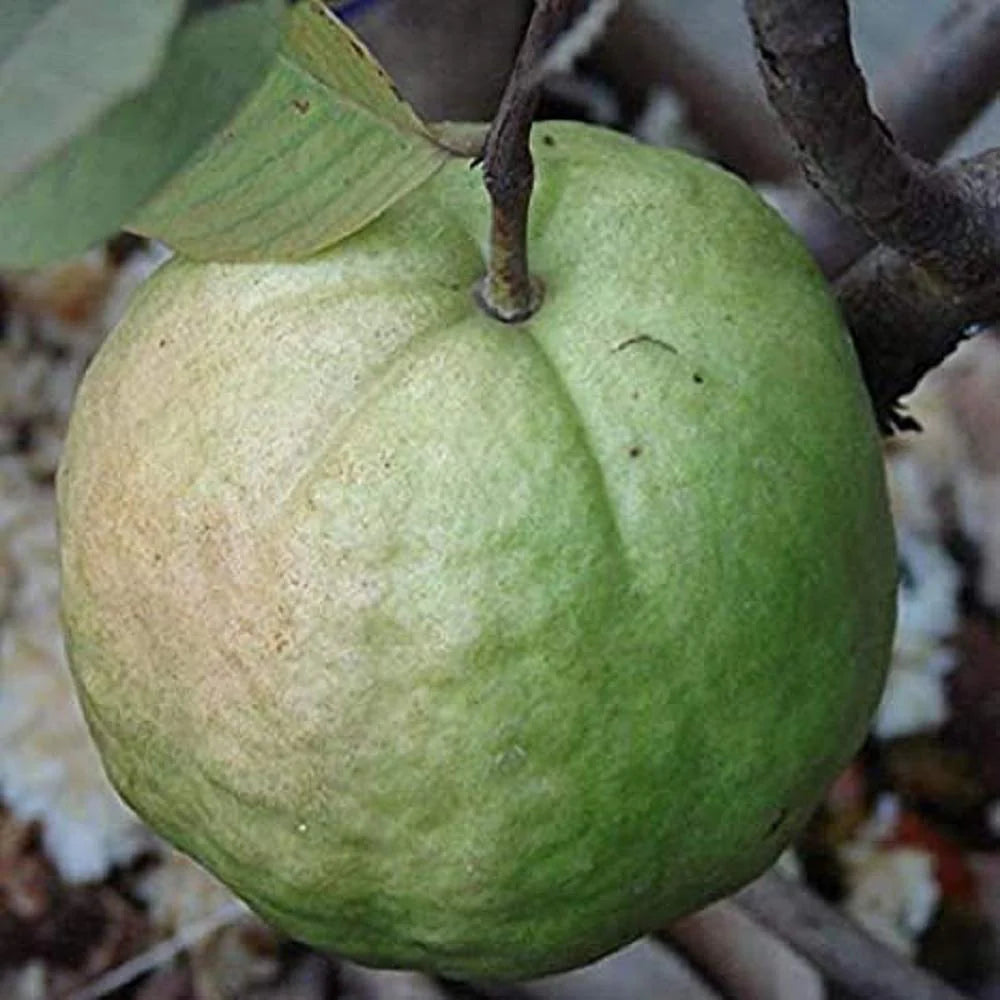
(508,291)
(849,155)
(905,321)
(842,951)
(929,99)
(938,270)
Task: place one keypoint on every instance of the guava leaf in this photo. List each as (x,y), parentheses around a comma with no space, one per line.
(87,189)
(63,63)
(323,146)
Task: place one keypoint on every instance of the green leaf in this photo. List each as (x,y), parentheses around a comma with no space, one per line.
(213,61)
(320,149)
(63,63)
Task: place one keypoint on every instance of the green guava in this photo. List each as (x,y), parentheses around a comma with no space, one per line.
(472,647)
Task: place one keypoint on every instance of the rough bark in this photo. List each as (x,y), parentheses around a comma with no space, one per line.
(928,99)
(936,271)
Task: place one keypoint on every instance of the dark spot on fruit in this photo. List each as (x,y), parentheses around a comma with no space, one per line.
(548,140)
(728,317)
(698,378)
(163,342)
(645,339)
(281,643)
(157,558)
(300,104)
(635,451)
(777,821)
(635,393)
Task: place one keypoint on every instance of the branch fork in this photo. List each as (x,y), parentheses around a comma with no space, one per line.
(935,271)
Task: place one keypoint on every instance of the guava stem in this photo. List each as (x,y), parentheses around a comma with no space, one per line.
(508,292)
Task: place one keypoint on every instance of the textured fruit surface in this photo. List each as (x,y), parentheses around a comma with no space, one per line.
(471,647)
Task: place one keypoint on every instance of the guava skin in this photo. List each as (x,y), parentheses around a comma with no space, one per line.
(477,648)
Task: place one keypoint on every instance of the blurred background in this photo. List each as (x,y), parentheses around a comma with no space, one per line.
(908,841)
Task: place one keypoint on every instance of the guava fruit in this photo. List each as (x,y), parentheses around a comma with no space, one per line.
(473,647)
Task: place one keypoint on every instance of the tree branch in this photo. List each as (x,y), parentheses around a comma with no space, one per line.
(929,99)
(848,153)
(508,291)
(840,949)
(903,320)
(939,269)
